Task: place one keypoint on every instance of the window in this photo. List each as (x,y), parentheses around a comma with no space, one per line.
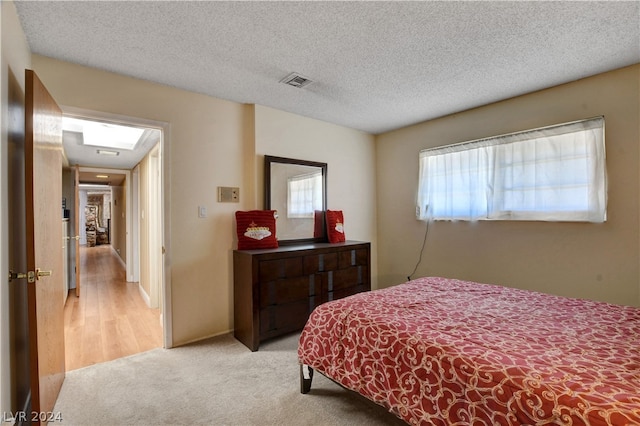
(304,195)
(554,173)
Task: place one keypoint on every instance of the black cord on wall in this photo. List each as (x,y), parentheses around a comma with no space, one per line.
(424,243)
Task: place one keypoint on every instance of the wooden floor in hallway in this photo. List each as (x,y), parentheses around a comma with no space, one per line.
(110,319)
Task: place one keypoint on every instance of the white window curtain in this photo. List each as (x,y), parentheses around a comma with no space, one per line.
(304,195)
(555,173)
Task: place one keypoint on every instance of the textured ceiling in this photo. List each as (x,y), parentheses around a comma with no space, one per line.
(376,66)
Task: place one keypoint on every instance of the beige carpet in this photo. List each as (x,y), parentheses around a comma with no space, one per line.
(214,382)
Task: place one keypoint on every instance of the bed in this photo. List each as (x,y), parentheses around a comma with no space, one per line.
(438,351)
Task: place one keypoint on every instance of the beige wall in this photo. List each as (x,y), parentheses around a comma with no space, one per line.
(350,158)
(119,220)
(595,261)
(214,143)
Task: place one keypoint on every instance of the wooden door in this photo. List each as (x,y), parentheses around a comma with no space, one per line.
(43,177)
(76,227)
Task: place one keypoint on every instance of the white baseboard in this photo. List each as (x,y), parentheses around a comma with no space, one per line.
(204,338)
(124,265)
(144,295)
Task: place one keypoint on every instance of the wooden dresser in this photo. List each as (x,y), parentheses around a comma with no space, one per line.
(275,290)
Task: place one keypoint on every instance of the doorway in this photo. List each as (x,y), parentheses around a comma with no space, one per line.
(119,310)
(110,318)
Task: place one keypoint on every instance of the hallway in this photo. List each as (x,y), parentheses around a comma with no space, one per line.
(110,318)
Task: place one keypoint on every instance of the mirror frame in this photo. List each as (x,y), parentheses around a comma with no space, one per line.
(270,159)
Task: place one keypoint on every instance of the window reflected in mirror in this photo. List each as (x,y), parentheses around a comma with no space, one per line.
(304,195)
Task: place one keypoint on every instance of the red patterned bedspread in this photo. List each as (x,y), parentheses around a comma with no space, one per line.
(439,351)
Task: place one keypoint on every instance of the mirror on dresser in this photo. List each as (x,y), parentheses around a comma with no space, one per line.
(296,189)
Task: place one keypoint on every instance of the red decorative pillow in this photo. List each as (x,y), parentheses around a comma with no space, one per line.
(256,229)
(335,226)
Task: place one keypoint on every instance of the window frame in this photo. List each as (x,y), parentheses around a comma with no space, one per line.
(485,187)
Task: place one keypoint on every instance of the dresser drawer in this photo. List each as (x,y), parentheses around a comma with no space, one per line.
(320,263)
(347,258)
(289,289)
(280,319)
(280,268)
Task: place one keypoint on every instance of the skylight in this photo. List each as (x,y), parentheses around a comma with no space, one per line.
(104,135)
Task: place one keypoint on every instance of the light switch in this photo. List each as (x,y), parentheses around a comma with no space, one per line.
(202,211)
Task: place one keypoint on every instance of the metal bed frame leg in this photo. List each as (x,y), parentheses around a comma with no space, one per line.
(306,376)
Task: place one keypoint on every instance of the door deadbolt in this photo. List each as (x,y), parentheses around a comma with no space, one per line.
(40,273)
(30,276)
(16,276)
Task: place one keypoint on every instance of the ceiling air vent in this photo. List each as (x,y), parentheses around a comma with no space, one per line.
(296,80)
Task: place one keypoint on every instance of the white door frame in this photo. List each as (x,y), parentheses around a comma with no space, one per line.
(134,273)
(165,184)
(154,216)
